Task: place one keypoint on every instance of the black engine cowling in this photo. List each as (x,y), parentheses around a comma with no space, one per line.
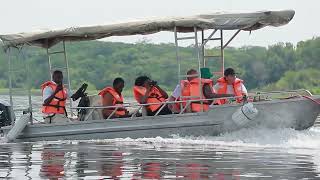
(6,114)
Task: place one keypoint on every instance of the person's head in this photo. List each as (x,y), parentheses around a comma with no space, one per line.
(142,81)
(57,76)
(118,84)
(230,75)
(192,72)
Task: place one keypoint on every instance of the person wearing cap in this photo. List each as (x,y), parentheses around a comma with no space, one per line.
(189,90)
(230,84)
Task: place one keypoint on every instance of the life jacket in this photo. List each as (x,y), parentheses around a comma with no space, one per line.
(153,97)
(190,91)
(237,87)
(58,103)
(117,99)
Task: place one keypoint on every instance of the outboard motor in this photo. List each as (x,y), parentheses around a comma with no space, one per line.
(6,114)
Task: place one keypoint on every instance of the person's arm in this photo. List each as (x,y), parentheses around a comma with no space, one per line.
(107,101)
(176,93)
(244,89)
(143,98)
(216,87)
(48,100)
(164,94)
(210,95)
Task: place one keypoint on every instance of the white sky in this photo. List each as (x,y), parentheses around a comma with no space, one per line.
(29,15)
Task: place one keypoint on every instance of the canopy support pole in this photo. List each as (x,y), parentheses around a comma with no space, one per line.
(220,56)
(199,64)
(68,75)
(229,41)
(24,58)
(177,53)
(10,76)
(178,60)
(204,42)
(49,64)
(221,52)
(64,69)
(198,58)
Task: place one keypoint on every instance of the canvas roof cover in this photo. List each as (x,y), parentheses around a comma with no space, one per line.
(225,21)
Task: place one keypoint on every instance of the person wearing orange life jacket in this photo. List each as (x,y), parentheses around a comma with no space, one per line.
(54,96)
(147,91)
(111,96)
(230,84)
(176,95)
(190,87)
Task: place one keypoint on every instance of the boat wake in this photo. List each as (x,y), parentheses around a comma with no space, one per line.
(240,140)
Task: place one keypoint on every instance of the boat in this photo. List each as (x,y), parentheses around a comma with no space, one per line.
(297,109)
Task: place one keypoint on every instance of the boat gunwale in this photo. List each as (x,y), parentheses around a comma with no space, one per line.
(147,118)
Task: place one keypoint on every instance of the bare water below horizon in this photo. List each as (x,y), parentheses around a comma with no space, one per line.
(245,154)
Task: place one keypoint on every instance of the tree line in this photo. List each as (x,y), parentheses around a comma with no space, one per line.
(278,67)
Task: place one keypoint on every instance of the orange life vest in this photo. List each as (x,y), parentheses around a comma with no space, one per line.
(191,88)
(58,103)
(237,87)
(117,99)
(153,97)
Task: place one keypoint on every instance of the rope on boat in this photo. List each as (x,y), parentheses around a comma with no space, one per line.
(315,101)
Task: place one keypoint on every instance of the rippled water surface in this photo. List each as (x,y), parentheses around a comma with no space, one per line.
(245,154)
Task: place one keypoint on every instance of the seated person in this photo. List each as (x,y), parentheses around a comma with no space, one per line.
(54,96)
(189,90)
(230,84)
(111,96)
(147,91)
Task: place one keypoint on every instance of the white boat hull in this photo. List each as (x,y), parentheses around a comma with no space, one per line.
(298,113)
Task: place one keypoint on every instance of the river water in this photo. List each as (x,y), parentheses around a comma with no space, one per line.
(245,154)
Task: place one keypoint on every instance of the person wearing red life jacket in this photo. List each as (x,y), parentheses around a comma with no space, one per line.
(230,84)
(111,96)
(54,96)
(190,87)
(147,91)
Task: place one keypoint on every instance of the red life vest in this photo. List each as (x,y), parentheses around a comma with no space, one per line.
(191,88)
(58,103)
(154,96)
(116,101)
(237,87)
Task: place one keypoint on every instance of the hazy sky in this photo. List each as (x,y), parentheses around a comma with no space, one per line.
(29,15)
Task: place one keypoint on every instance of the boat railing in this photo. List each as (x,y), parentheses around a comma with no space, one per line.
(256,96)
(188,102)
(296,92)
(163,104)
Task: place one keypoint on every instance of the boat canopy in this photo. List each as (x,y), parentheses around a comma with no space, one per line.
(222,21)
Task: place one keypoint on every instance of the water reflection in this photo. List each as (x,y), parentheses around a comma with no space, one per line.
(53,161)
(99,161)
(131,160)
